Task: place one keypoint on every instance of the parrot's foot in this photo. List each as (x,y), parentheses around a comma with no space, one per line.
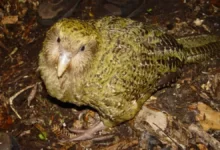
(88,134)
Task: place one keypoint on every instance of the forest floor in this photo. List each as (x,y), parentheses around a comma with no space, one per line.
(182,116)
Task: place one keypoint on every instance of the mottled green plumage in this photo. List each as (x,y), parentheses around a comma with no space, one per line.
(115,64)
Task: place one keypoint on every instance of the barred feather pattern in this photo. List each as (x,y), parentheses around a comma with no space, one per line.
(124,64)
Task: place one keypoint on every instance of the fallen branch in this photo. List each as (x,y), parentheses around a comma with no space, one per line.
(204,135)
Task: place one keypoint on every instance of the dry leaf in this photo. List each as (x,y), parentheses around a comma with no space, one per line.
(162,125)
(9,20)
(208,118)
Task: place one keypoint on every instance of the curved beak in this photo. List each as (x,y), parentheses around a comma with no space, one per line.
(63,62)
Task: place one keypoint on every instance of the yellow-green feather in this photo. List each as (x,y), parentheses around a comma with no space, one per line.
(131,61)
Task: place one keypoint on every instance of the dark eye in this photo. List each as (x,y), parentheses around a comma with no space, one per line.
(82,48)
(58,40)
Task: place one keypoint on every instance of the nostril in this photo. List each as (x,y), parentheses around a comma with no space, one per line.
(58,40)
(82,48)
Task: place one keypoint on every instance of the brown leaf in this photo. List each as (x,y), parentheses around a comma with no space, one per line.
(10,20)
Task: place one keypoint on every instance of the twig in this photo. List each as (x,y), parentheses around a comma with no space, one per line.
(168,136)
(137,10)
(204,135)
(2,45)
(32,94)
(15,95)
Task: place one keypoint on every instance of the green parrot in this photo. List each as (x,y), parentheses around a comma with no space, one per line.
(115,64)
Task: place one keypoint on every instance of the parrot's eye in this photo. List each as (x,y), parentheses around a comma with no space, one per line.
(82,48)
(58,40)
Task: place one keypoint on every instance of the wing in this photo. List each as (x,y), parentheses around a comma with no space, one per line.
(132,62)
(143,57)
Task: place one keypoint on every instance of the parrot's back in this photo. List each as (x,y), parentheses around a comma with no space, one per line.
(134,60)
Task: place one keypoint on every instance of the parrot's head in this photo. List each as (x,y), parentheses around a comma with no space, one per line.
(70,45)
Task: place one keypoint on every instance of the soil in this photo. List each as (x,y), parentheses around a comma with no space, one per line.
(43,119)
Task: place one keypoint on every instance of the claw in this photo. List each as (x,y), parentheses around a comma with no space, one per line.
(88,134)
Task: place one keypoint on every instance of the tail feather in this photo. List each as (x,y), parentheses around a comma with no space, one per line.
(203,53)
(201,48)
(198,40)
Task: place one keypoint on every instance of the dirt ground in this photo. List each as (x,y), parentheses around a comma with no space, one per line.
(39,121)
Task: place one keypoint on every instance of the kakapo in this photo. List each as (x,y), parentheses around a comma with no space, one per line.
(115,64)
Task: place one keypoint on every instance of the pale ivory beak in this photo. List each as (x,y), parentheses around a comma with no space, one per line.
(63,63)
